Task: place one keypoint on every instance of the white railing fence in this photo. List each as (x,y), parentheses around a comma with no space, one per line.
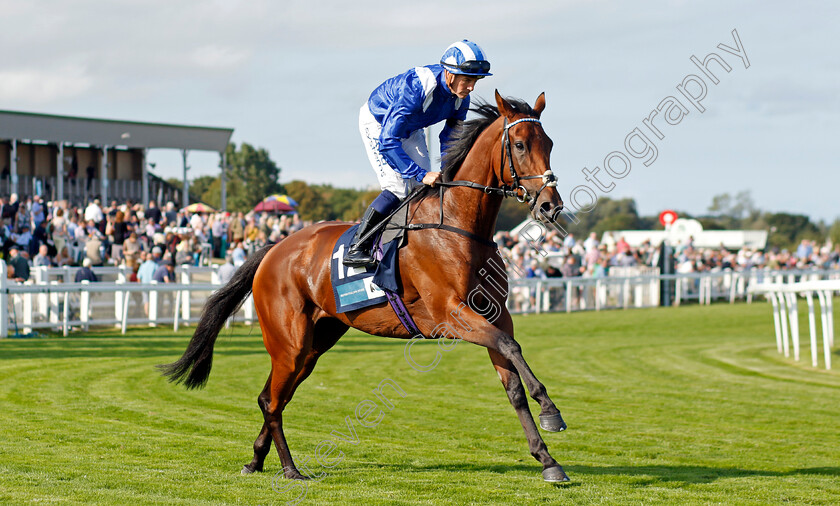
(786,313)
(533,295)
(51,300)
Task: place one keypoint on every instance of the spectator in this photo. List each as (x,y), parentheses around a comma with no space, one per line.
(570,269)
(165,273)
(119,231)
(86,273)
(93,248)
(147,269)
(237,228)
(23,239)
(94,213)
(63,258)
(59,229)
(131,248)
(171,214)
(183,253)
(219,230)
(534,271)
(18,265)
(42,259)
(40,237)
(239,254)
(153,213)
(227,270)
(9,210)
(569,241)
(591,242)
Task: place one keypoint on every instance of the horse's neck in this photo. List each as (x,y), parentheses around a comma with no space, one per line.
(470,209)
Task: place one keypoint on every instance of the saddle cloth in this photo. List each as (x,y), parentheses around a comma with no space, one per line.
(359,287)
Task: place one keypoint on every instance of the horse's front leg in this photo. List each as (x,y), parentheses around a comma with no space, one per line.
(550,418)
(552,471)
(498,335)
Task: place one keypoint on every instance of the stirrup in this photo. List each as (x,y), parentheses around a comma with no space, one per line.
(359,258)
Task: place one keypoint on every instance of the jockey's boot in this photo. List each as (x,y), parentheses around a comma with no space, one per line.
(360,254)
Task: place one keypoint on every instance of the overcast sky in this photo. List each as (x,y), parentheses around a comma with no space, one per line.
(290,77)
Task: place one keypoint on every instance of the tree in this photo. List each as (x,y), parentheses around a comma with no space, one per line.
(199,186)
(311,203)
(511,214)
(786,230)
(733,212)
(721,204)
(834,232)
(175,182)
(256,175)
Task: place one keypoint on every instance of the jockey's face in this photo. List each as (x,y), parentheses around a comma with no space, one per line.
(460,85)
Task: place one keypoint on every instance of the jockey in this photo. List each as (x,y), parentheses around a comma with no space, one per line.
(392,121)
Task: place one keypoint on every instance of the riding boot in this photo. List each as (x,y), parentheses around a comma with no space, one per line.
(360,253)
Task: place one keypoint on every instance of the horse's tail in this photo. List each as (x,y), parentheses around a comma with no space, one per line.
(193,368)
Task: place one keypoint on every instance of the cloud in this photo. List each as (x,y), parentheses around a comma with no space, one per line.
(43,86)
(216,57)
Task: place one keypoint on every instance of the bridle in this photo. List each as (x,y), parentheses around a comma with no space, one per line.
(549,181)
(516,189)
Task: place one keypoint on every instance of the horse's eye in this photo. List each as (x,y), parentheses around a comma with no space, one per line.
(519,145)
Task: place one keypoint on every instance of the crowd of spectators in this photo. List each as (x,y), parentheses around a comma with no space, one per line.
(147,240)
(150,241)
(556,256)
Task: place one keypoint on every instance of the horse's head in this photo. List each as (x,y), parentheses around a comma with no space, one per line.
(525,161)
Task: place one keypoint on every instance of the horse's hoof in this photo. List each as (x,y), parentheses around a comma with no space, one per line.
(295,475)
(552,423)
(555,475)
(247,470)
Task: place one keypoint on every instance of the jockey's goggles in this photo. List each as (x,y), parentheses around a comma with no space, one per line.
(471,66)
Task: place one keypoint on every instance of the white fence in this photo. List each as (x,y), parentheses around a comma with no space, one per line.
(51,300)
(786,312)
(645,290)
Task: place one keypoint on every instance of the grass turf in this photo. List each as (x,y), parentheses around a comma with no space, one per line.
(681,405)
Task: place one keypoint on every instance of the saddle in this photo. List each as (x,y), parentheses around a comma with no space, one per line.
(359,287)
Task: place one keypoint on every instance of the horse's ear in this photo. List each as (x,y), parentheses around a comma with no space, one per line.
(539,105)
(505,108)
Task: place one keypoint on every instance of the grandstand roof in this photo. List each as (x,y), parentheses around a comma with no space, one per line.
(108,132)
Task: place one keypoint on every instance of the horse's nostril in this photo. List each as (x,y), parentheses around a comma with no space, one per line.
(545,208)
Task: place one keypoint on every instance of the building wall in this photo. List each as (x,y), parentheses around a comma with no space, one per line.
(44,160)
(41,160)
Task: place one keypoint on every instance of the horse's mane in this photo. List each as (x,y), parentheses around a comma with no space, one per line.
(466,133)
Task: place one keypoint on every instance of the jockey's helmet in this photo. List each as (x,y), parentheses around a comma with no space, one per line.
(466,58)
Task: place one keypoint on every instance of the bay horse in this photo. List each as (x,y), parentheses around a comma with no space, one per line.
(504,151)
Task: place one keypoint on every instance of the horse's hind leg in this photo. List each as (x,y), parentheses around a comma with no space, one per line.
(263,443)
(281,387)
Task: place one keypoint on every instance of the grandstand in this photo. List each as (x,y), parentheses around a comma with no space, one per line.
(74,158)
